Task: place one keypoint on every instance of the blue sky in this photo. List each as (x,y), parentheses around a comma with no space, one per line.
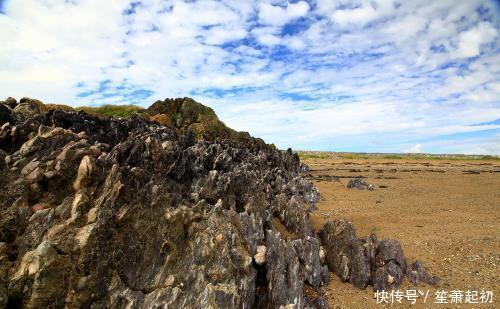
(374,76)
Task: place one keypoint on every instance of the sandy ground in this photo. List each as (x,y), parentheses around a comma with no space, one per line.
(446,213)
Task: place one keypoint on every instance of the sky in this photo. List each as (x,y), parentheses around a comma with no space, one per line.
(363,76)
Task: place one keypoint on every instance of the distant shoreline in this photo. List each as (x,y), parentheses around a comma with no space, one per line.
(303,154)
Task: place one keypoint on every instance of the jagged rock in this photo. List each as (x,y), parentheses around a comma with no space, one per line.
(28,107)
(390,264)
(343,270)
(359,183)
(388,277)
(9,225)
(390,250)
(344,253)
(84,172)
(10,101)
(363,261)
(283,275)
(4,296)
(5,114)
(418,274)
(3,162)
(308,251)
(370,246)
(124,212)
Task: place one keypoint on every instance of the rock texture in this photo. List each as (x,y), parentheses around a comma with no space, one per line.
(360,184)
(368,261)
(114,212)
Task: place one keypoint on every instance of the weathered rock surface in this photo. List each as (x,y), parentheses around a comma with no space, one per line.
(344,253)
(368,261)
(359,183)
(130,213)
(418,274)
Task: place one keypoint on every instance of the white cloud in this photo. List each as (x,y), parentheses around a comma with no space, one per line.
(356,13)
(220,35)
(267,35)
(414,149)
(277,16)
(360,15)
(348,72)
(470,41)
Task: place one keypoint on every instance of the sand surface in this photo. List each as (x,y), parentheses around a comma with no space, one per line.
(446,213)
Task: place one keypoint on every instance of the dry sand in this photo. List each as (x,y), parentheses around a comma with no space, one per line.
(446,213)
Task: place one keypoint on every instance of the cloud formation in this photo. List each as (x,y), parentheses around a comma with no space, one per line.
(329,75)
(415,149)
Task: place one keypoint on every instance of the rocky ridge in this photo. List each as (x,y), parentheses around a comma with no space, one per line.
(166,211)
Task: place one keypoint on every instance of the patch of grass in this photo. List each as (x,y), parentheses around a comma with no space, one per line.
(112,110)
(393,157)
(490,158)
(210,127)
(304,155)
(162,119)
(353,156)
(452,157)
(63,107)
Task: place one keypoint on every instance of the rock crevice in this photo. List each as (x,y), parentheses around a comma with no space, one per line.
(116,212)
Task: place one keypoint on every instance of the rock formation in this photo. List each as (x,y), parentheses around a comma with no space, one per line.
(168,208)
(115,212)
(360,184)
(368,261)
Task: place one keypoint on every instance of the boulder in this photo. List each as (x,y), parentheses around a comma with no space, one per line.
(366,260)
(29,107)
(360,184)
(11,102)
(344,253)
(5,114)
(418,274)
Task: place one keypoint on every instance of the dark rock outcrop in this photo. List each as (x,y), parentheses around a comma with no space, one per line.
(5,114)
(344,253)
(418,274)
(124,212)
(359,183)
(368,261)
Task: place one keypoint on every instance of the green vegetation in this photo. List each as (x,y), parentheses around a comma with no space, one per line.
(63,107)
(455,157)
(112,110)
(187,114)
(439,157)
(353,156)
(395,157)
(490,157)
(304,155)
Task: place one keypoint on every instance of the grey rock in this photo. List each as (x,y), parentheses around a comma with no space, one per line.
(364,261)
(9,225)
(359,183)
(124,212)
(388,277)
(390,250)
(28,107)
(11,102)
(284,283)
(344,253)
(308,252)
(5,114)
(418,274)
